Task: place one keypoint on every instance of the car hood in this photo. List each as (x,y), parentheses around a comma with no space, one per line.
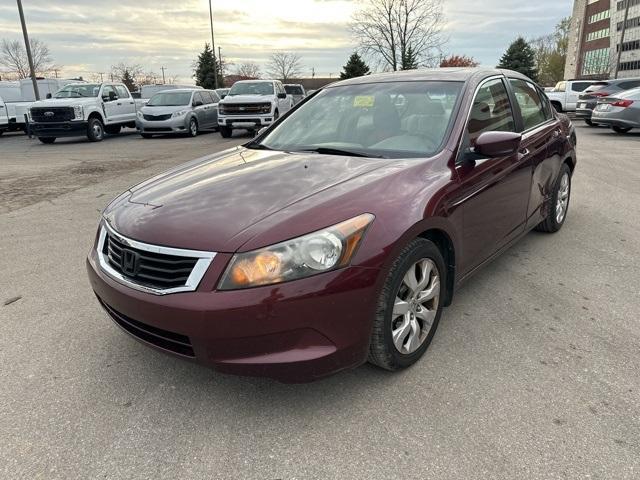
(65,102)
(164,110)
(206,204)
(246,99)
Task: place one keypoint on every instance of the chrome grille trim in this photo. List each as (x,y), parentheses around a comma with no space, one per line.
(200,268)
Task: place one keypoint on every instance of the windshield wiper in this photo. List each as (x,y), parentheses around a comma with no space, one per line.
(337,151)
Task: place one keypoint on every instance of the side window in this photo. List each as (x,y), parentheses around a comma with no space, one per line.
(630,84)
(491,110)
(280,88)
(579,86)
(546,106)
(206,97)
(530,103)
(122,91)
(106,92)
(214,97)
(197,97)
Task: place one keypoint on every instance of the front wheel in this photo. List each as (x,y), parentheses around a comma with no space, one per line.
(409,306)
(47,140)
(193,127)
(621,129)
(95,130)
(146,135)
(559,202)
(225,132)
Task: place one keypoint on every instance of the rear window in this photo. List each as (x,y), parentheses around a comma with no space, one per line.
(597,86)
(293,90)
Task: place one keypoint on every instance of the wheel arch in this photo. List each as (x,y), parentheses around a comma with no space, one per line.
(444,243)
(96,114)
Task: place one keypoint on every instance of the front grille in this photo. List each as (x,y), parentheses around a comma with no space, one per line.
(155,270)
(244,108)
(157,118)
(158,337)
(52,114)
(157,129)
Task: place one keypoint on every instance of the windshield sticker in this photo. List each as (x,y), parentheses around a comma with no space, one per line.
(364,101)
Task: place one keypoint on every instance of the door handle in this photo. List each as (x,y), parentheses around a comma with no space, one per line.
(556,133)
(118,103)
(524,151)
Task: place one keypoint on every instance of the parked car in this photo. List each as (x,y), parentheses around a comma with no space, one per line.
(148,91)
(589,99)
(80,109)
(4,118)
(621,112)
(179,111)
(251,104)
(564,96)
(296,91)
(338,235)
(222,92)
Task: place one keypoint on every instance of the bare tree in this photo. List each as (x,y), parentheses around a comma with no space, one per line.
(284,66)
(251,70)
(13,57)
(390,30)
(120,69)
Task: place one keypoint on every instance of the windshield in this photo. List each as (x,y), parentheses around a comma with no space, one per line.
(170,99)
(396,120)
(251,88)
(76,91)
(293,89)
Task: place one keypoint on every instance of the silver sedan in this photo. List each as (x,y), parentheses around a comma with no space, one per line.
(621,113)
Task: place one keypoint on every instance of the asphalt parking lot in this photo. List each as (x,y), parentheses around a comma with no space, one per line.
(533,373)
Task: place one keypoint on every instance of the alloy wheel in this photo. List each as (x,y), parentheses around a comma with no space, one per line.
(563,198)
(415,306)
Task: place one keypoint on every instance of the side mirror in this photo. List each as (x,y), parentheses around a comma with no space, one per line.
(282,95)
(48,96)
(497,144)
(112,96)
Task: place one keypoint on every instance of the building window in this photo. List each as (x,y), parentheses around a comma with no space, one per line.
(631,23)
(600,16)
(596,62)
(598,34)
(632,3)
(628,46)
(626,66)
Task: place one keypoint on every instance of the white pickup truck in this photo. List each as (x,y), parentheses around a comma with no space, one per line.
(251,105)
(4,117)
(564,95)
(80,109)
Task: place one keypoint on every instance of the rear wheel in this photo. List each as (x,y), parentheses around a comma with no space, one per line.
(621,129)
(225,132)
(409,306)
(112,129)
(559,202)
(146,135)
(193,128)
(47,139)
(95,130)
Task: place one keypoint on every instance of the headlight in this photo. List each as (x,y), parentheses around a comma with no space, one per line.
(79,112)
(181,113)
(300,257)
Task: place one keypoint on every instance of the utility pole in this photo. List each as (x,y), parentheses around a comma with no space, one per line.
(624,29)
(213,48)
(101,79)
(163,81)
(27,47)
(55,70)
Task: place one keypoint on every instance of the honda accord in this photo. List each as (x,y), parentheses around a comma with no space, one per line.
(338,235)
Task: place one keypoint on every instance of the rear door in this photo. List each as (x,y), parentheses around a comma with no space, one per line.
(126,105)
(542,145)
(199,109)
(494,192)
(4,115)
(209,108)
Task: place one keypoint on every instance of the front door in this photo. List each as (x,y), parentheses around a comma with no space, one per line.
(109,104)
(494,192)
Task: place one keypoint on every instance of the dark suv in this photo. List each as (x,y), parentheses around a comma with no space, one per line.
(588,100)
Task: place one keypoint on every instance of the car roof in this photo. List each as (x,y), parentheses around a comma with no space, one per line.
(183,90)
(257,80)
(450,74)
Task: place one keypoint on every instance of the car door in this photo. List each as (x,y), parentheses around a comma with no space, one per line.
(543,143)
(109,104)
(493,192)
(4,115)
(199,109)
(214,108)
(126,105)
(209,108)
(284,104)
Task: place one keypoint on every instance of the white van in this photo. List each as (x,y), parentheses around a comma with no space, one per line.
(4,117)
(148,91)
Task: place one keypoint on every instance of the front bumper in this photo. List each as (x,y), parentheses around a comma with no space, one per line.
(242,121)
(173,125)
(59,129)
(293,332)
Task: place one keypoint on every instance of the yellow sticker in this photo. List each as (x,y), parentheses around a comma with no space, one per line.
(364,101)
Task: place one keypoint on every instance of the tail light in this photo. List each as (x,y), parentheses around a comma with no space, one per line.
(622,103)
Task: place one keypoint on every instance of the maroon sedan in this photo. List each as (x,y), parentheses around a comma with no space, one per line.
(338,235)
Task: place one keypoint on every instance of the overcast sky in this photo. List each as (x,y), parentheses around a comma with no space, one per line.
(88,37)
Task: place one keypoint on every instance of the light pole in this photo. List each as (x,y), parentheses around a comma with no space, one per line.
(27,46)
(213,48)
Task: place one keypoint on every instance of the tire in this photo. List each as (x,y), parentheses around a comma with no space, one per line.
(621,129)
(411,330)
(47,140)
(193,128)
(95,130)
(112,129)
(554,222)
(146,135)
(590,123)
(226,132)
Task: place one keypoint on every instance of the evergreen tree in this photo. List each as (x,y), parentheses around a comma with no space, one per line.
(206,68)
(128,80)
(409,59)
(521,58)
(355,67)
